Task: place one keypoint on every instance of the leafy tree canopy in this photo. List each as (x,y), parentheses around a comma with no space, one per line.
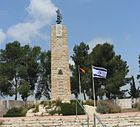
(102,55)
(21,68)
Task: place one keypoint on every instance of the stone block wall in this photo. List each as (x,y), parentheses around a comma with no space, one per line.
(124,103)
(5,105)
(60,72)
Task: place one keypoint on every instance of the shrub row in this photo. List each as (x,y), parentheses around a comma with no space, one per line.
(137,105)
(16,112)
(70,109)
(65,109)
(107,107)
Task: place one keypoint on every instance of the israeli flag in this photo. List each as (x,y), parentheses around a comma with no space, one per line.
(99,72)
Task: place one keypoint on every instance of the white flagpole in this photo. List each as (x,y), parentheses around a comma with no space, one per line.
(79,80)
(93,88)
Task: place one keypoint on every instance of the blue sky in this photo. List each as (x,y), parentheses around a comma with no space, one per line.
(91,21)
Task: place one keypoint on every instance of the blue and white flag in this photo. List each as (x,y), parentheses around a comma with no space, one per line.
(99,72)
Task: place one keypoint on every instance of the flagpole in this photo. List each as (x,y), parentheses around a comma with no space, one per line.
(93,88)
(79,80)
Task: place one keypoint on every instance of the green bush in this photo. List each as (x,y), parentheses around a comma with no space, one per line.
(107,107)
(102,109)
(134,105)
(89,102)
(47,103)
(31,106)
(137,105)
(36,108)
(16,112)
(55,112)
(70,109)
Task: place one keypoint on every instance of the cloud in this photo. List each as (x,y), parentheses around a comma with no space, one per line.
(23,31)
(42,10)
(2,36)
(96,41)
(40,13)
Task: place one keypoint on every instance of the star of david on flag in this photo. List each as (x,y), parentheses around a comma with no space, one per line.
(99,72)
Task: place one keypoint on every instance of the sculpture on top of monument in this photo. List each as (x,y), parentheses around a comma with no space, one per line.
(59,17)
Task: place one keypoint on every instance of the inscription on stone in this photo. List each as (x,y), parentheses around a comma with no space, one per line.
(59,30)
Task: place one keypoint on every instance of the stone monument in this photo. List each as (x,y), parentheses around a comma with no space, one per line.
(60,72)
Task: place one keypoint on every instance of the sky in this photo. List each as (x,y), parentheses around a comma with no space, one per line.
(90,21)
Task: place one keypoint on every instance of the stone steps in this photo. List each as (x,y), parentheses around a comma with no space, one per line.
(110,120)
(121,119)
(45,122)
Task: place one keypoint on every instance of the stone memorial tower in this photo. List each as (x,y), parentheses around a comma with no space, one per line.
(60,73)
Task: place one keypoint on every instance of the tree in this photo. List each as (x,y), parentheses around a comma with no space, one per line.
(19,63)
(44,80)
(28,69)
(80,58)
(138,76)
(33,66)
(133,91)
(9,62)
(102,55)
(80,55)
(24,90)
(5,86)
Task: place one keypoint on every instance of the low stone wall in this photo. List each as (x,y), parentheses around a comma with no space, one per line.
(3,108)
(124,103)
(136,100)
(5,105)
(127,103)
